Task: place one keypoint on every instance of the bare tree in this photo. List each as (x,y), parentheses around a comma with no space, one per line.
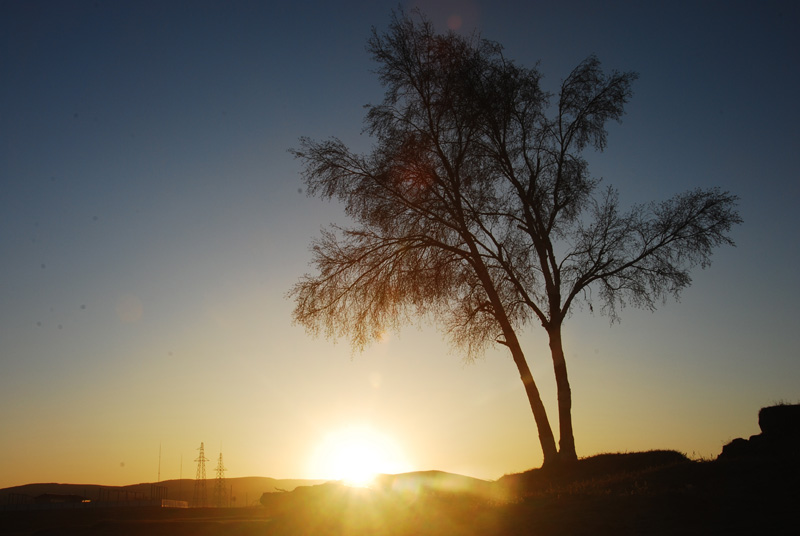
(475,208)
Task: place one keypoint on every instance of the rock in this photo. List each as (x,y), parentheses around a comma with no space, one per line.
(780,421)
(738,448)
(779,438)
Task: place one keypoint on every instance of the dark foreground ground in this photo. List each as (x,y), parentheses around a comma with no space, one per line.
(655,493)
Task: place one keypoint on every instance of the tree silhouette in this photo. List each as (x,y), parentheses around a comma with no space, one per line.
(475,209)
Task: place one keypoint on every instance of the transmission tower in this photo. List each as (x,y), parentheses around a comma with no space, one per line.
(200,498)
(219,484)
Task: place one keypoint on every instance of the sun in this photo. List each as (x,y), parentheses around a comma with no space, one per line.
(355,455)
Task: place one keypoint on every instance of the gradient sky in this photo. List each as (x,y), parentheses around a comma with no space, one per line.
(152,222)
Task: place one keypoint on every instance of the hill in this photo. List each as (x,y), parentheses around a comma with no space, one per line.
(750,489)
(640,493)
(244,491)
(655,493)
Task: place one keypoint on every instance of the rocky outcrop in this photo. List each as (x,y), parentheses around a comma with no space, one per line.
(779,437)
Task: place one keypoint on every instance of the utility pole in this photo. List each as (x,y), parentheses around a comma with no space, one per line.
(200,499)
(180,480)
(219,484)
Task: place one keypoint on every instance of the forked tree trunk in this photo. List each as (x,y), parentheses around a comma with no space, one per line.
(546,438)
(566,442)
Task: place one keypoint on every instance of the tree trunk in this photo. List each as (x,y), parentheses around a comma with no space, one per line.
(566,442)
(546,438)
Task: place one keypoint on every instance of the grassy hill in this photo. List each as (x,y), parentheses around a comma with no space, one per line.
(246,490)
(650,493)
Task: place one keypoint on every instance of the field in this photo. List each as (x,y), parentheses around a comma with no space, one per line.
(655,493)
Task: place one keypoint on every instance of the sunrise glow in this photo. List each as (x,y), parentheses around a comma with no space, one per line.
(355,455)
(155,219)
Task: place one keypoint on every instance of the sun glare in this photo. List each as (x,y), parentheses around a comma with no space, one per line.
(355,455)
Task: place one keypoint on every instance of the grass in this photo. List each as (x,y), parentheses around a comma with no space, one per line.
(640,493)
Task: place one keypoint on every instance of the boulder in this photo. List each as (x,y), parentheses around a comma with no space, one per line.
(781,421)
(779,438)
(738,448)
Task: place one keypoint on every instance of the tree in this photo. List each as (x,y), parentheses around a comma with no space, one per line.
(475,208)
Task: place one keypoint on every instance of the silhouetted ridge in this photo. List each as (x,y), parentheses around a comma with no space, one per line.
(602,469)
(779,439)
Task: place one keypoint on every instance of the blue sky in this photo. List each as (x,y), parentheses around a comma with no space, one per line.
(152,221)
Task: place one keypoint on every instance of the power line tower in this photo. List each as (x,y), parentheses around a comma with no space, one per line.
(200,498)
(219,484)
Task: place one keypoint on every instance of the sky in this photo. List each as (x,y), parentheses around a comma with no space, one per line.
(152,222)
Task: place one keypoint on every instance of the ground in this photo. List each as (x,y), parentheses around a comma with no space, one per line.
(657,493)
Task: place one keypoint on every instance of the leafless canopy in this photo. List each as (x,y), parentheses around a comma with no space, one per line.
(475,204)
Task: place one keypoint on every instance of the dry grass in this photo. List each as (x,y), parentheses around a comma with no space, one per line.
(652,493)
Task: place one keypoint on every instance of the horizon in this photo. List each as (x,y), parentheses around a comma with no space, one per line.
(48,483)
(153,222)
